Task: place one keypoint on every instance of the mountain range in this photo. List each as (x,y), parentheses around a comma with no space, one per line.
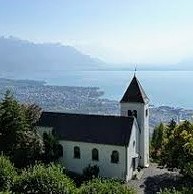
(23,56)
(20,56)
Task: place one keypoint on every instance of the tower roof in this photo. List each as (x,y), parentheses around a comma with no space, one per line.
(135,93)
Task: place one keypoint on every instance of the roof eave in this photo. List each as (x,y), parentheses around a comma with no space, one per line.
(144,101)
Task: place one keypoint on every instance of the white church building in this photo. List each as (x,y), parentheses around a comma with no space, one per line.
(116,144)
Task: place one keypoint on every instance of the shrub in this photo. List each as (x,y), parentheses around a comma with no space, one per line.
(90,172)
(44,179)
(174,191)
(7,173)
(101,186)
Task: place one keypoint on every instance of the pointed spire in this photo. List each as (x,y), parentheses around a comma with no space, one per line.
(135,92)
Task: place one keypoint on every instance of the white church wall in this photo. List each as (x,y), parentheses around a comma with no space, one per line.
(139,107)
(107,169)
(143,122)
(146,136)
(132,150)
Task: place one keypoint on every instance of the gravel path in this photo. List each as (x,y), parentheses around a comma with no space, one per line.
(154,179)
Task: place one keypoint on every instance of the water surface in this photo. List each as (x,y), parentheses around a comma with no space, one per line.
(172,88)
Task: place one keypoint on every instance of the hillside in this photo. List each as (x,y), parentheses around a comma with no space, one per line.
(22,56)
(87,100)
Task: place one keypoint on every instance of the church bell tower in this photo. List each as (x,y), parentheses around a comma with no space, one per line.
(136,103)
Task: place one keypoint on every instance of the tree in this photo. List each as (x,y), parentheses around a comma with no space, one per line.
(101,186)
(52,149)
(7,173)
(169,129)
(157,141)
(12,121)
(43,179)
(18,137)
(171,126)
(33,113)
(177,150)
(28,150)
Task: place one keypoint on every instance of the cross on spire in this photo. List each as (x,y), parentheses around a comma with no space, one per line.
(135,70)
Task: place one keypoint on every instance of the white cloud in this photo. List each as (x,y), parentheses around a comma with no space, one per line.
(146,46)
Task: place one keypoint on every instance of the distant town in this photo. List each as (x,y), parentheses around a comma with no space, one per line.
(87,100)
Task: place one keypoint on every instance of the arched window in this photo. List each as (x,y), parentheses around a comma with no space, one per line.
(76,152)
(135,113)
(129,113)
(147,112)
(45,135)
(60,150)
(115,157)
(95,154)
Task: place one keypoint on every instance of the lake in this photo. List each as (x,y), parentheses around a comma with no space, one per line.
(172,88)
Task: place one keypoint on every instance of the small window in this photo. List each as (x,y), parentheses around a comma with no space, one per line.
(129,113)
(77,152)
(146,112)
(135,113)
(134,143)
(115,157)
(95,154)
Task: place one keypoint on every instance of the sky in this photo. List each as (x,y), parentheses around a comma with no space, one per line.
(115,31)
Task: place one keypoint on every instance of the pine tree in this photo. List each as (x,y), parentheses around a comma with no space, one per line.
(12,123)
(18,139)
(157,141)
(53,150)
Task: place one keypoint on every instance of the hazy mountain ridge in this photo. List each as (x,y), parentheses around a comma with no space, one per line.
(19,55)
